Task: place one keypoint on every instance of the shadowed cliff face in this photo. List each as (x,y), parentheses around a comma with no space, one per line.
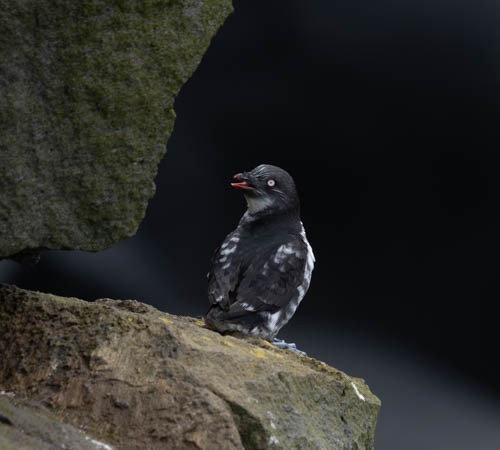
(87,93)
(138,378)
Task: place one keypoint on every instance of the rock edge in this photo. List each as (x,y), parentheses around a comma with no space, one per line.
(136,378)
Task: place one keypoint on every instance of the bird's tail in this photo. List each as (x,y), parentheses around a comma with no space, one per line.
(226,322)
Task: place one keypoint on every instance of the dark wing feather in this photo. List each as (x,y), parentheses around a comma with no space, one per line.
(223,280)
(267,282)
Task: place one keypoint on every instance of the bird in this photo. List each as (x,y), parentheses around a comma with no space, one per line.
(262,270)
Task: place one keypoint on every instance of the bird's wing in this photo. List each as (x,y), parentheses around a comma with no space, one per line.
(224,272)
(269,281)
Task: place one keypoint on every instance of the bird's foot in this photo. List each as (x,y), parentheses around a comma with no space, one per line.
(280,343)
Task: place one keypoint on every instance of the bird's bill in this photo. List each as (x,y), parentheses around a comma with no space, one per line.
(243,185)
(242,182)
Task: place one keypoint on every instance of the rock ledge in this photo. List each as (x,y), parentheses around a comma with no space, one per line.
(137,378)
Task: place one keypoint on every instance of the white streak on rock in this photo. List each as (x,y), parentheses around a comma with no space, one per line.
(271,420)
(273,440)
(7,393)
(99,444)
(359,394)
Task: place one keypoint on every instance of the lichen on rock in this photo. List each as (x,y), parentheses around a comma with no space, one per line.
(87,93)
(137,378)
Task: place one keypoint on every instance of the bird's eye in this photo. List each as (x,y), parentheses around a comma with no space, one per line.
(271,182)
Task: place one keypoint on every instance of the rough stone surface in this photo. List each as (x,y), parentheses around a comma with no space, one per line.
(25,427)
(137,378)
(87,90)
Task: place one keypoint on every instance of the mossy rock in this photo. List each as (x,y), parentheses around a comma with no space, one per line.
(87,91)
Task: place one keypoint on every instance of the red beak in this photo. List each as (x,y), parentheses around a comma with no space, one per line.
(241,183)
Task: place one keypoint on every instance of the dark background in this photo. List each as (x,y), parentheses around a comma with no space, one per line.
(386,114)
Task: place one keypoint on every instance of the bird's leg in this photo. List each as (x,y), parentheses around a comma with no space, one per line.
(280,343)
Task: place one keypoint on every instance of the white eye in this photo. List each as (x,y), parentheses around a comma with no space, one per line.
(271,182)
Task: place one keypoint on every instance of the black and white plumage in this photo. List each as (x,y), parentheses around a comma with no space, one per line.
(262,270)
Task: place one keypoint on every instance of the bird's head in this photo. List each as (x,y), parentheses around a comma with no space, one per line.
(267,189)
